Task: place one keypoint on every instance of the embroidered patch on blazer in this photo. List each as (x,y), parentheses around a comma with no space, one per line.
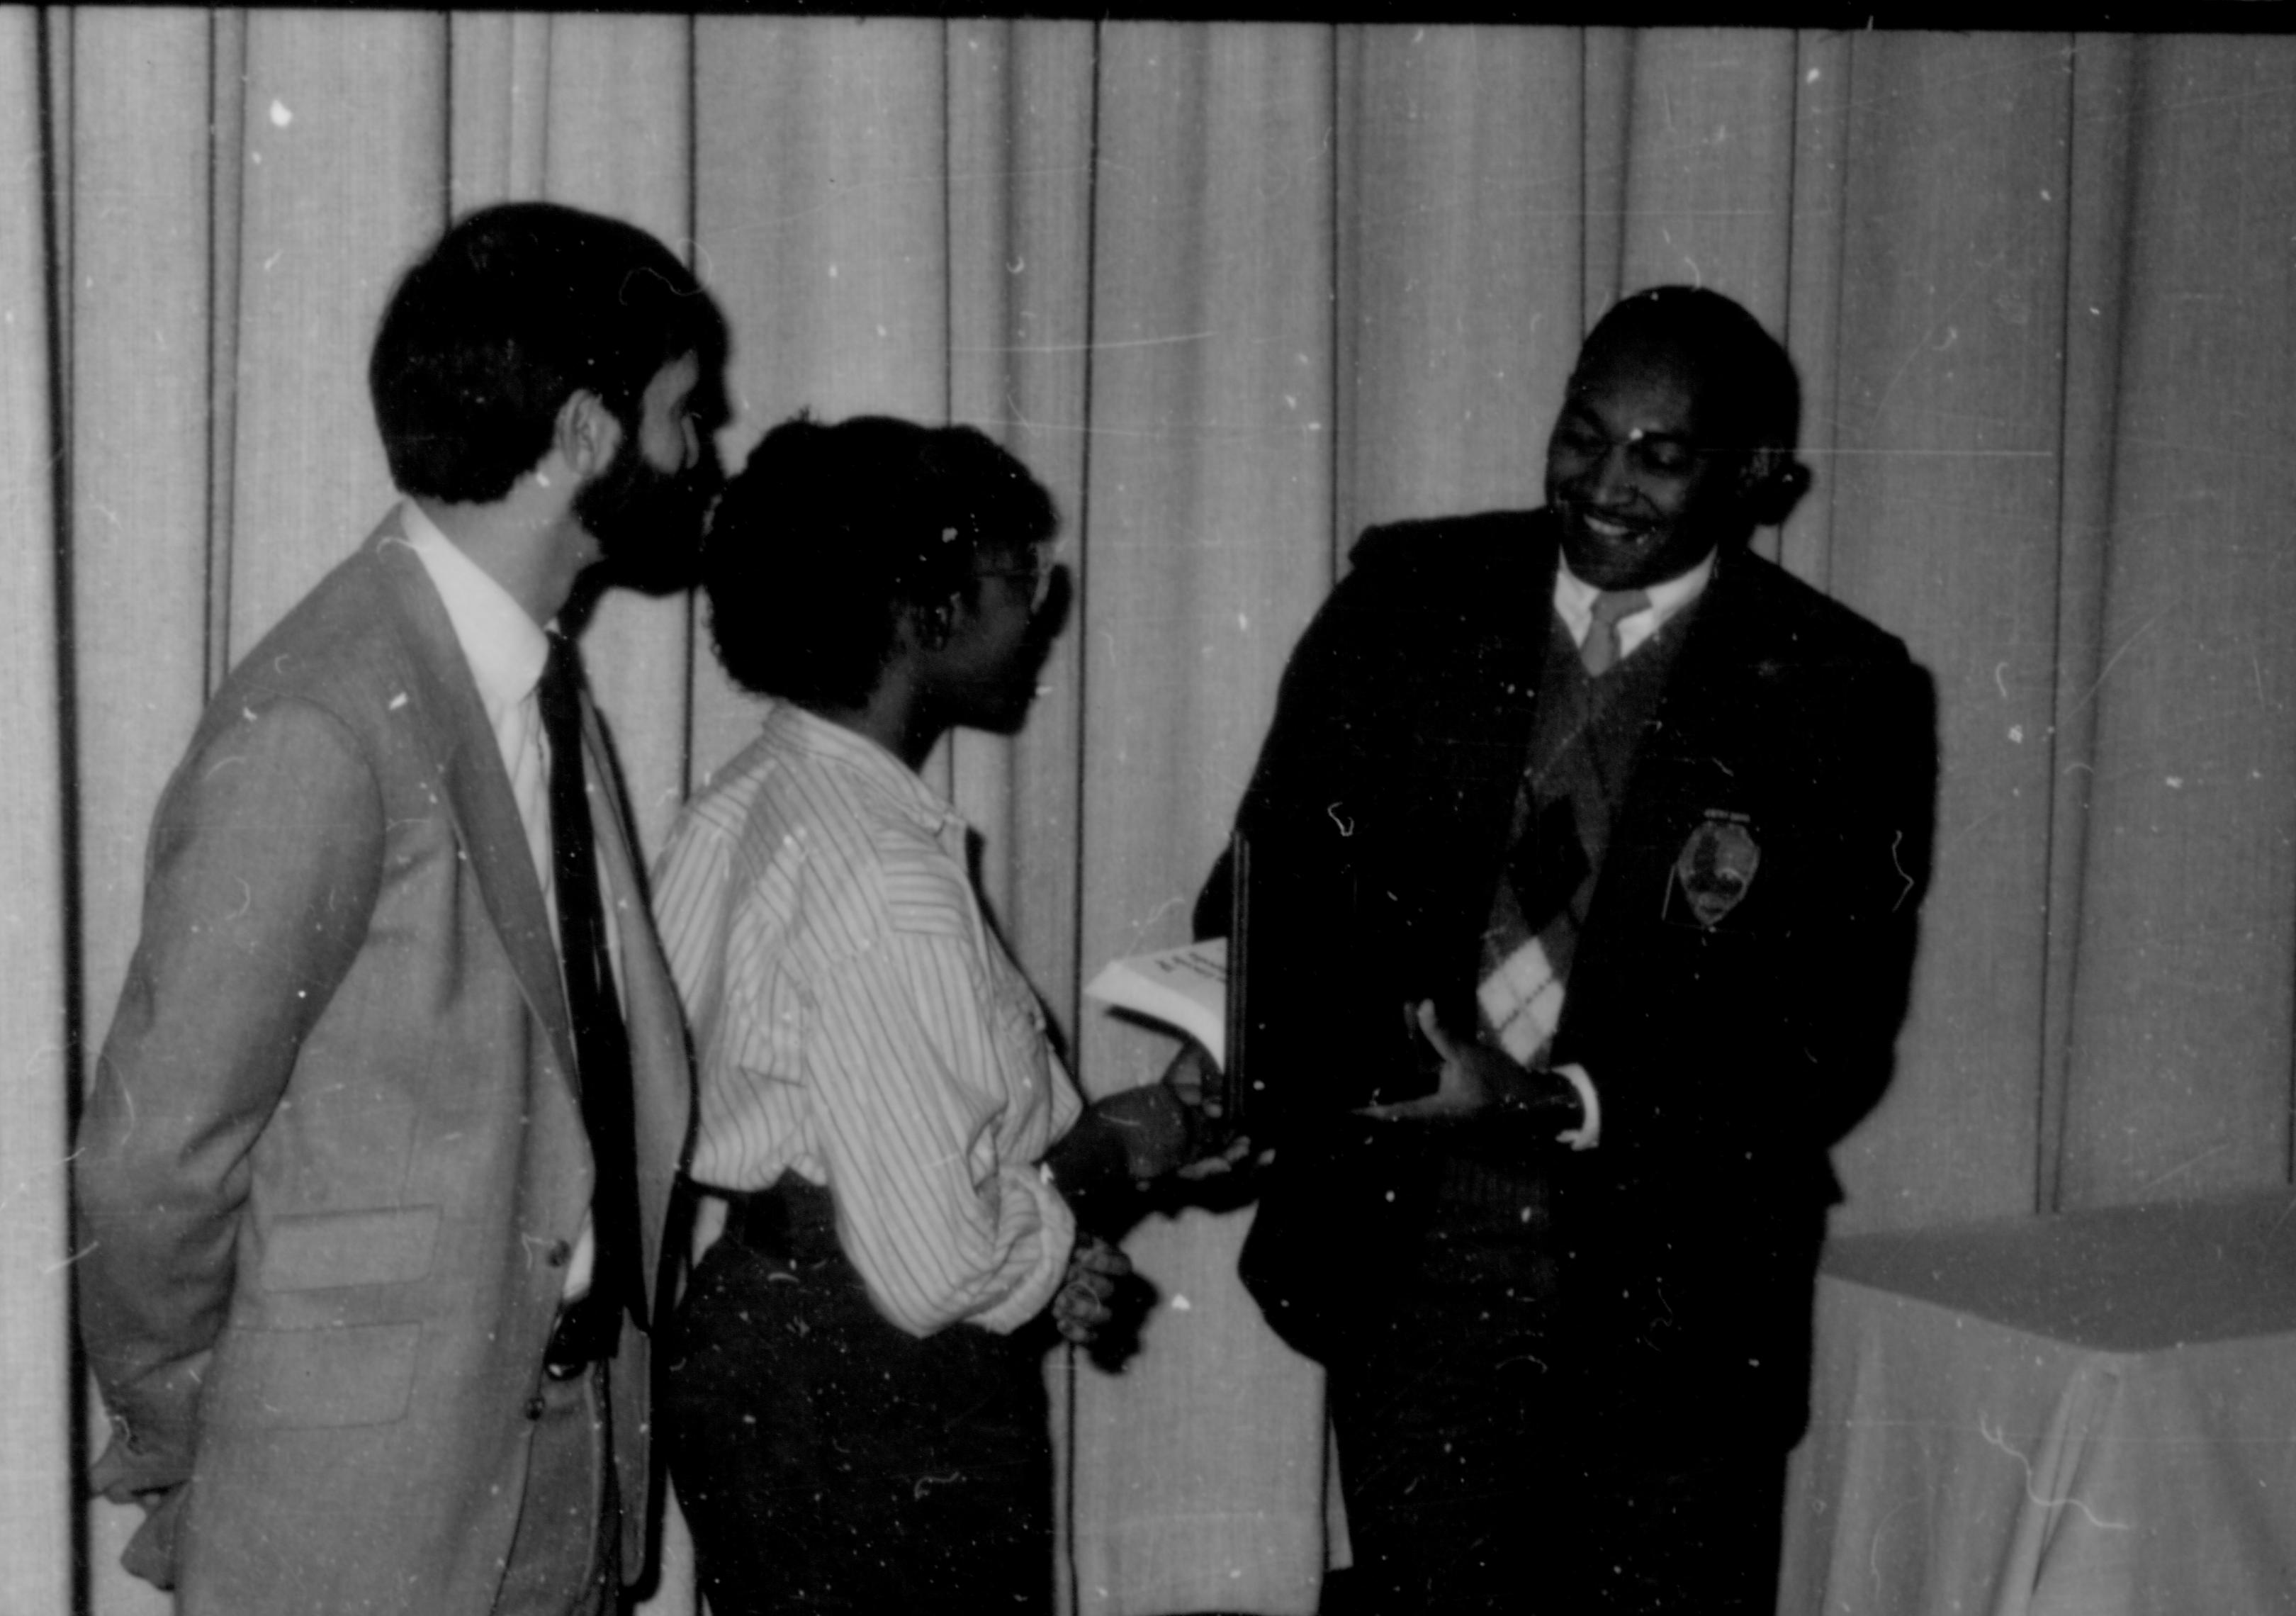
(1717,867)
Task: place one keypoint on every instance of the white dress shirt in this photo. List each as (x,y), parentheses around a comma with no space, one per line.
(1574,602)
(506,650)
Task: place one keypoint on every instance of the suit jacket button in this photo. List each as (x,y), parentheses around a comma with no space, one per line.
(559,1252)
(534,1408)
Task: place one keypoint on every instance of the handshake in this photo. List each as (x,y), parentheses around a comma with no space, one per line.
(1122,1151)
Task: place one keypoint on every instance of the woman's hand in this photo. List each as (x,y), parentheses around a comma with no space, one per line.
(1193,1081)
(1080,1308)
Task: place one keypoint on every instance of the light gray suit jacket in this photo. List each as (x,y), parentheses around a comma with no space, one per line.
(333,1161)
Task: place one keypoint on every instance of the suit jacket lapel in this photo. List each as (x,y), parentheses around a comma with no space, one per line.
(1693,760)
(1705,709)
(1480,688)
(1517,661)
(1479,694)
(453,723)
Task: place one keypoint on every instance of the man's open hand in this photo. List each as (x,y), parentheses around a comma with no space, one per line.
(1475,1078)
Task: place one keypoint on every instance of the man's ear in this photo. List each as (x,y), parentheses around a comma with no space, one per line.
(1771,483)
(587,434)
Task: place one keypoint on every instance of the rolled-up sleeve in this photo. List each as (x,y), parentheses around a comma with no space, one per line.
(915,1060)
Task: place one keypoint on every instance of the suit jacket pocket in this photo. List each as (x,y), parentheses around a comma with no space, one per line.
(321,1250)
(357,1374)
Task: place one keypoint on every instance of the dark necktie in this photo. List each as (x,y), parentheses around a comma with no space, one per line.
(602,1050)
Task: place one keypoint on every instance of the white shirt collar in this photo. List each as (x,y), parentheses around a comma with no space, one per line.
(1574,602)
(506,648)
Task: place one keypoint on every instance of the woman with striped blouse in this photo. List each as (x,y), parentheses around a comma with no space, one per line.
(855,1411)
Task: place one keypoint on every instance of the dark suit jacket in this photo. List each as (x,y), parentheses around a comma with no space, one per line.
(334,1156)
(1728,1056)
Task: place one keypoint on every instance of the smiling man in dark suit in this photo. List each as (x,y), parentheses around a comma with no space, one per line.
(374,1178)
(1585,853)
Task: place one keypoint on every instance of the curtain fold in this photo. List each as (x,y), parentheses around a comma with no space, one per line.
(1208,541)
(342,149)
(142,242)
(2093,316)
(1705,189)
(1823,100)
(1020,179)
(1209,514)
(1235,291)
(36,1560)
(2180,1060)
(822,226)
(1943,492)
(1454,321)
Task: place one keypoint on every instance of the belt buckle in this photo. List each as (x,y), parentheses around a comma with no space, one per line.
(562,1361)
(568,1353)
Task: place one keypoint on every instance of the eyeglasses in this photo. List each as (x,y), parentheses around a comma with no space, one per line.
(1037,570)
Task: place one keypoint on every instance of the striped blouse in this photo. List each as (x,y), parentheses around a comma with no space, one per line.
(856,1021)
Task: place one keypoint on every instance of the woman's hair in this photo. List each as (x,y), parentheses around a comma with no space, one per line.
(832,531)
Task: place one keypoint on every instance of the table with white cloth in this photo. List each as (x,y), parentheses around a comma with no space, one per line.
(2088,1414)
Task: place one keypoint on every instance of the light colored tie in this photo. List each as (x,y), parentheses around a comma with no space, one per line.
(529,785)
(1601,651)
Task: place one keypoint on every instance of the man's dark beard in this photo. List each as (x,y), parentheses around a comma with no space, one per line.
(648,521)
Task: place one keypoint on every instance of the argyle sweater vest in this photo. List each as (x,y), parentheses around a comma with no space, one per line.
(1585,731)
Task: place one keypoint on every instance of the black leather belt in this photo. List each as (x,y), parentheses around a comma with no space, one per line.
(785,1223)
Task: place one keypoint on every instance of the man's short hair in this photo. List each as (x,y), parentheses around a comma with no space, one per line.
(831,531)
(514,309)
(1730,349)
(1737,361)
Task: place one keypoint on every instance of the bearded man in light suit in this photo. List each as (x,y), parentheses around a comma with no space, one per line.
(374,1177)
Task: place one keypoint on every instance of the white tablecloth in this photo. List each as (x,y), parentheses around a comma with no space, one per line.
(2086,1414)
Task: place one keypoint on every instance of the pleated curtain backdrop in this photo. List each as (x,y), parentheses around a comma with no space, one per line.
(1235,291)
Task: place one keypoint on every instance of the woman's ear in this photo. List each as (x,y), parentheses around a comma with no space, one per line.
(930,626)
